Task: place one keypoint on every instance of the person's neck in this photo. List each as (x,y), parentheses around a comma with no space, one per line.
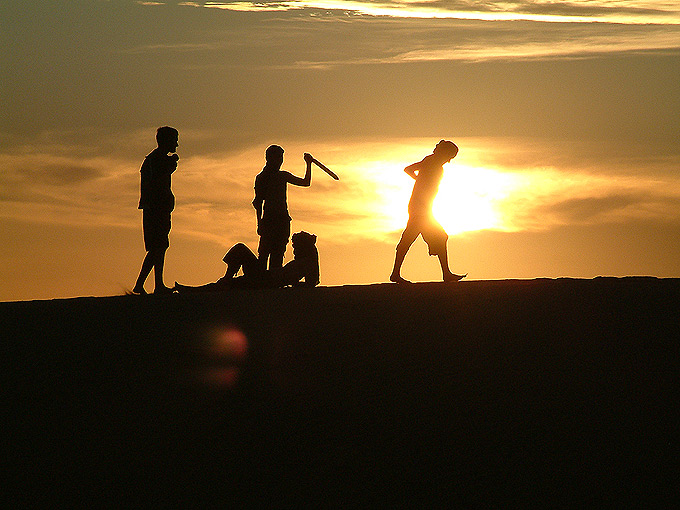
(440,159)
(164,150)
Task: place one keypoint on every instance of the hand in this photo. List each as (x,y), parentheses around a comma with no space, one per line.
(308,158)
(174,157)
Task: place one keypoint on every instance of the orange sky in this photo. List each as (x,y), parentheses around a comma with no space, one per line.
(567,132)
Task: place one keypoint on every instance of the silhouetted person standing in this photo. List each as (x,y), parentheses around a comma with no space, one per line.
(157,203)
(428,174)
(271,206)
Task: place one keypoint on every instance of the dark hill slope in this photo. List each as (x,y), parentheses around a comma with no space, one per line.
(481,393)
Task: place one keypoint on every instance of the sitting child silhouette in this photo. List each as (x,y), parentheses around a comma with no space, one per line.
(304,266)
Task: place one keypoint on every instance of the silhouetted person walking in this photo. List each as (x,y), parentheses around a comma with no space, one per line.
(428,174)
(271,206)
(157,203)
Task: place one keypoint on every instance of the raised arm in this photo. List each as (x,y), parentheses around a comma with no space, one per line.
(307,179)
(173,159)
(413,170)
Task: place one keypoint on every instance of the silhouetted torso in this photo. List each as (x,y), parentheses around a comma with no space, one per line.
(426,186)
(271,189)
(156,193)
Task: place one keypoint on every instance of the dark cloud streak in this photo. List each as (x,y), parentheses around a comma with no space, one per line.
(58,175)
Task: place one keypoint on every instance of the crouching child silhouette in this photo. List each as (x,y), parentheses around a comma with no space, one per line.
(428,174)
(157,203)
(304,266)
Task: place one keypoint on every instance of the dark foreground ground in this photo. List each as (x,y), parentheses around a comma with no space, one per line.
(554,393)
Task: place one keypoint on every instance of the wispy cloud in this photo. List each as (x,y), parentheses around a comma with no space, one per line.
(552,198)
(621,11)
(319,35)
(579,42)
(574,46)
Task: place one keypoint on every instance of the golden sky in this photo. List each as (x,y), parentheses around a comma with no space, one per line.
(565,114)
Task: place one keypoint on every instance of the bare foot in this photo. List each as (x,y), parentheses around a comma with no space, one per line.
(162,290)
(454,277)
(398,279)
(139,291)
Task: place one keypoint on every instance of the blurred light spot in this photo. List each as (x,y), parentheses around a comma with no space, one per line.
(222,354)
(229,342)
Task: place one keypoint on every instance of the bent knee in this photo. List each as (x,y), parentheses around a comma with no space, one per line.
(405,243)
(236,252)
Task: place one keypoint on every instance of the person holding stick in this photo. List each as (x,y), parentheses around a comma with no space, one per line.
(271,206)
(428,174)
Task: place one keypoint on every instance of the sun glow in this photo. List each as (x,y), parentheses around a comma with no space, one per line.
(470,198)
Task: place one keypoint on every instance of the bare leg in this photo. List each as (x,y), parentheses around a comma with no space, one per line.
(221,284)
(147,266)
(159,263)
(276,260)
(263,258)
(447,275)
(239,256)
(407,239)
(444,263)
(263,253)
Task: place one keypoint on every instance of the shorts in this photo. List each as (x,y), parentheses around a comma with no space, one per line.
(156,230)
(274,237)
(433,233)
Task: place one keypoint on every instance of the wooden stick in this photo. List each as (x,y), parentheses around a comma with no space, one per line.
(325,169)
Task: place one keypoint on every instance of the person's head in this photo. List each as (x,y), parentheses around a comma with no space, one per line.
(306,258)
(446,150)
(304,245)
(167,138)
(274,156)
